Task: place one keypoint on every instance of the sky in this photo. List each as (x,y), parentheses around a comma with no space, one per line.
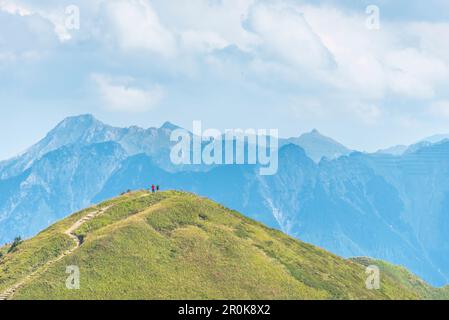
(370,74)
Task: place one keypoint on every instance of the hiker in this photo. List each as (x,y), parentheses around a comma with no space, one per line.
(157,188)
(152,188)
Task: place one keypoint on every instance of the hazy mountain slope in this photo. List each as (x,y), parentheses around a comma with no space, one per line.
(234,185)
(395,150)
(400,149)
(85,130)
(134,173)
(343,206)
(61,182)
(421,179)
(80,130)
(437,138)
(175,245)
(318,146)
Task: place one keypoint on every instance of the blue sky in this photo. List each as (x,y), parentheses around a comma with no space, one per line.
(290,65)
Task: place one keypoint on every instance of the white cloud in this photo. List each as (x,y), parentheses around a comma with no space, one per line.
(23,36)
(223,18)
(440,109)
(266,52)
(432,37)
(56,15)
(369,114)
(284,33)
(372,64)
(13,8)
(415,74)
(137,26)
(118,94)
(202,41)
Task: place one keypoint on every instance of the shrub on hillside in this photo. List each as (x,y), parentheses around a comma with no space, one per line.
(17,241)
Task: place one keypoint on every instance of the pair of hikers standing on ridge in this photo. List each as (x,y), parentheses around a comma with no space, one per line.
(154,189)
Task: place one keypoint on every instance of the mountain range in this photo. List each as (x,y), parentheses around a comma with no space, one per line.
(387,205)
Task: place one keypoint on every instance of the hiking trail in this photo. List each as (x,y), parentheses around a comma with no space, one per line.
(8,293)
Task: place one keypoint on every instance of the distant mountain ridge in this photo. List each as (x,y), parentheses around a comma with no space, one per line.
(155,142)
(85,130)
(391,207)
(318,146)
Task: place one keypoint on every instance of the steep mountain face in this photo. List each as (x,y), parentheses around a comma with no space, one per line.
(348,208)
(437,138)
(395,150)
(318,146)
(61,181)
(81,130)
(175,245)
(85,130)
(391,207)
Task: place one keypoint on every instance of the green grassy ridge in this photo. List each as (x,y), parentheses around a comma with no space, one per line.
(174,245)
(120,211)
(48,244)
(405,278)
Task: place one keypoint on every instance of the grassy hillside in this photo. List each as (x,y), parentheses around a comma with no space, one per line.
(406,279)
(173,245)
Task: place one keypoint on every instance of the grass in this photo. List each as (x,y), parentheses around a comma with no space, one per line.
(174,245)
(406,279)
